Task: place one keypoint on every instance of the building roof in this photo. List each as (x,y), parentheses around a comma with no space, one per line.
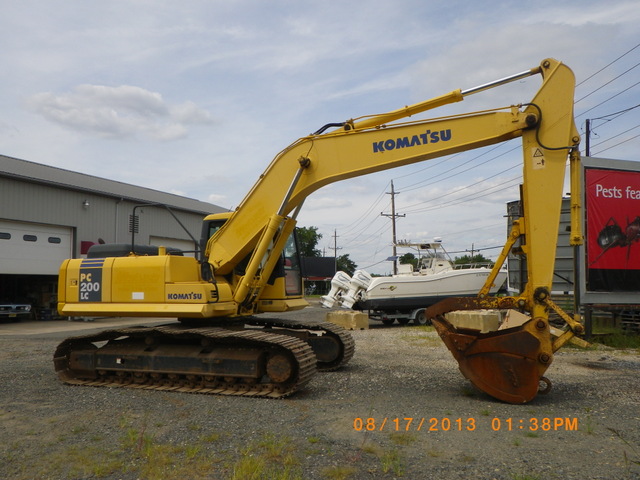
(319,268)
(59,177)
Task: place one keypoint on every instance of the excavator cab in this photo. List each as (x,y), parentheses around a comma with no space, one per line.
(285,284)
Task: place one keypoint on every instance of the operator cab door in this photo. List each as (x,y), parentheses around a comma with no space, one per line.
(292,267)
(288,266)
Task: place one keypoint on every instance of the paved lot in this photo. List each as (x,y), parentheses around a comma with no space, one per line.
(35,327)
(399,409)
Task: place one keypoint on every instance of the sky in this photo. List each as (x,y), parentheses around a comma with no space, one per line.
(197,97)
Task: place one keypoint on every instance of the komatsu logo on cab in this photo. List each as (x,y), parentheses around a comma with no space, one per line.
(406,142)
(184,296)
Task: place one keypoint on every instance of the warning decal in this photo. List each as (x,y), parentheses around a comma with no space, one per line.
(538,158)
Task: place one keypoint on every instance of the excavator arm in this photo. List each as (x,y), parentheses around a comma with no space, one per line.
(318,160)
(373,144)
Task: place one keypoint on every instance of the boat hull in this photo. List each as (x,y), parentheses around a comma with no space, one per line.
(410,292)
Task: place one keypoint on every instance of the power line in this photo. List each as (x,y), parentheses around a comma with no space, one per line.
(612,116)
(431,180)
(616,136)
(359,237)
(620,113)
(365,214)
(609,99)
(472,196)
(619,143)
(363,229)
(463,188)
(429,165)
(610,81)
(607,66)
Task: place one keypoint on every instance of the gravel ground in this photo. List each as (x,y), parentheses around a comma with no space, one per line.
(350,424)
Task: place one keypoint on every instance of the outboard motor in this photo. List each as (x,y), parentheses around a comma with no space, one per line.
(359,283)
(339,284)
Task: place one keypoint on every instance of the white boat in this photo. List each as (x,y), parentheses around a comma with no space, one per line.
(404,296)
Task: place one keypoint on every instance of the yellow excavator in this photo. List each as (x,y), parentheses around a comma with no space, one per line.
(250,264)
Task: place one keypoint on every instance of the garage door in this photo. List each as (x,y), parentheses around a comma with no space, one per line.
(34,249)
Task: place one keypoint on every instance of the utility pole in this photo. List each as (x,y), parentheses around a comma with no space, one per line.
(335,249)
(393,217)
(577,302)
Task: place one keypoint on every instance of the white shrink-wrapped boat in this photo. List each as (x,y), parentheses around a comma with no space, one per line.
(404,296)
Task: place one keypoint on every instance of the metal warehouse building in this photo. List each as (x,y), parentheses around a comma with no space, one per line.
(563,276)
(49,214)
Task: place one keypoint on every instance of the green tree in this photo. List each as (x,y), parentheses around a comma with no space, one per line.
(346,264)
(409,259)
(466,259)
(308,238)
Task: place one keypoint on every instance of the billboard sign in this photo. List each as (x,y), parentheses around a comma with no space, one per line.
(612,229)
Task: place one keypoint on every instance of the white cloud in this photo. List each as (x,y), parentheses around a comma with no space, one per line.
(322,202)
(217,199)
(599,13)
(118,112)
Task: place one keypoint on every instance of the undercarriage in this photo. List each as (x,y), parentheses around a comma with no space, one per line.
(262,358)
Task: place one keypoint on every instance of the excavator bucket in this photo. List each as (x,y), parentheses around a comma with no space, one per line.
(507,364)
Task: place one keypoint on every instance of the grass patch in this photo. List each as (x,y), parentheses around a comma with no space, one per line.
(402,438)
(372,448)
(588,425)
(135,452)
(424,328)
(392,461)
(616,338)
(421,339)
(339,472)
(421,335)
(271,457)
(435,453)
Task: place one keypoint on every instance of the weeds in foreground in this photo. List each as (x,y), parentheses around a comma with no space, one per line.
(616,338)
(524,477)
(392,461)
(627,460)
(339,472)
(402,438)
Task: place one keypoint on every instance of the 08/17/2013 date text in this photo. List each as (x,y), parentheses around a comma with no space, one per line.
(469,424)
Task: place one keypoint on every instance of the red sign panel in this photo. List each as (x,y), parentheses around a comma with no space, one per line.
(613,229)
